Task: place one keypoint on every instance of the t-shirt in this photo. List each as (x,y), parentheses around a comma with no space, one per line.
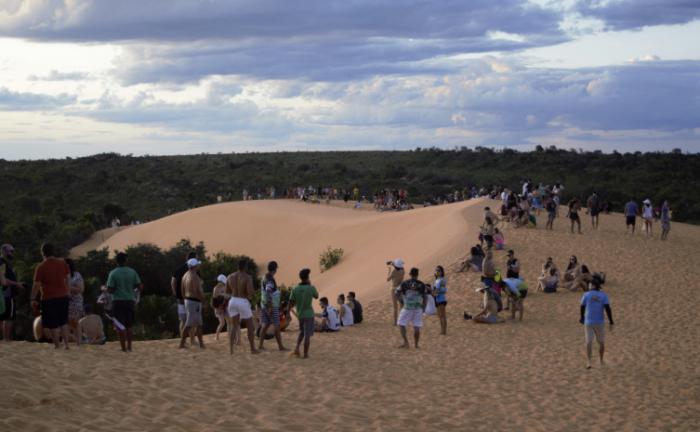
(179,273)
(513,268)
(413,293)
(348,318)
(357,312)
(331,315)
(441,290)
(52,273)
(302,296)
(595,302)
(123,280)
(270,293)
(6,269)
(631,209)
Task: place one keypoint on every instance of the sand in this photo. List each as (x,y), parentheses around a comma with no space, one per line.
(526,375)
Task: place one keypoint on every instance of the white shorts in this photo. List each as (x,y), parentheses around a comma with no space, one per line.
(181,312)
(596,331)
(239,306)
(412,316)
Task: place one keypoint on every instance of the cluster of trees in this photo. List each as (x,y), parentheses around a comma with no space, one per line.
(157,310)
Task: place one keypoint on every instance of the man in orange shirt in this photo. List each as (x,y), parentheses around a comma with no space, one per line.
(51,279)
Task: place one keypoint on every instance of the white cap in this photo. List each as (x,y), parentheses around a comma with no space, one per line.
(193,262)
(221,278)
(646,201)
(398,263)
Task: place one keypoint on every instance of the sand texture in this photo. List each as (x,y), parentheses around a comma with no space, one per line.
(518,376)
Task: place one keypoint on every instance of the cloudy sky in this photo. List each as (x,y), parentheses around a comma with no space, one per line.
(80,77)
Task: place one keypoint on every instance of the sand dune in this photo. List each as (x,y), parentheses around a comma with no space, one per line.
(510,377)
(295,233)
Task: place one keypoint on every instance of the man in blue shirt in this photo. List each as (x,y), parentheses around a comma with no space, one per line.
(631,210)
(593,303)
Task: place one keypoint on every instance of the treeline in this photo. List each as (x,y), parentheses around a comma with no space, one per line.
(66,200)
(157,310)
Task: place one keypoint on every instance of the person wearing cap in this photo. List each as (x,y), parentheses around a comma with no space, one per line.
(194,296)
(8,290)
(240,286)
(631,210)
(396,275)
(593,303)
(218,303)
(301,299)
(121,283)
(489,311)
(270,299)
(647,216)
(413,296)
(176,288)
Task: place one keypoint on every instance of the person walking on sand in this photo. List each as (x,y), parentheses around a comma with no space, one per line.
(574,207)
(218,303)
(396,275)
(593,206)
(51,281)
(648,216)
(8,289)
(176,288)
(665,220)
(631,210)
(440,292)
(121,283)
(593,303)
(240,285)
(551,207)
(301,298)
(412,294)
(270,299)
(193,293)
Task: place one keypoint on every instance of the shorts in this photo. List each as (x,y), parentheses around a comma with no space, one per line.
(523,293)
(491,319)
(181,313)
(124,312)
(594,212)
(306,326)
(54,312)
(596,331)
(442,303)
(410,316)
(270,318)
(10,312)
(631,220)
(239,306)
(666,225)
(193,308)
(574,217)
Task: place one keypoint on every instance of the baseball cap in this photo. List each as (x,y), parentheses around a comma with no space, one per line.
(221,278)
(193,262)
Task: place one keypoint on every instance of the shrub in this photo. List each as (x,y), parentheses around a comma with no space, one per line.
(329,258)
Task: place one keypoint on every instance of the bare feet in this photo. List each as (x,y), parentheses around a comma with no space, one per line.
(295,354)
(283,349)
(588,365)
(404,346)
(253,352)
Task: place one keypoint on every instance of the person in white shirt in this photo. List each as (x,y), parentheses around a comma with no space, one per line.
(346,316)
(647,216)
(330,322)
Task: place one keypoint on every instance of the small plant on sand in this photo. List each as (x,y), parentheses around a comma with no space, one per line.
(329,258)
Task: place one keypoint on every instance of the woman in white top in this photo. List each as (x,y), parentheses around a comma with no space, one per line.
(75,302)
(647,216)
(346,317)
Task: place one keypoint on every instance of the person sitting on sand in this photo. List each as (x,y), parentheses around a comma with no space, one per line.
(574,207)
(474,260)
(593,303)
(330,322)
(412,295)
(396,275)
(489,312)
(580,281)
(498,239)
(194,296)
(270,300)
(356,307)
(549,277)
(301,297)
(218,303)
(572,270)
(345,312)
(91,327)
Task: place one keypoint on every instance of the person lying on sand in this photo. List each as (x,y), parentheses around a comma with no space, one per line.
(329,322)
(489,312)
(91,327)
(593,303)
(412,294)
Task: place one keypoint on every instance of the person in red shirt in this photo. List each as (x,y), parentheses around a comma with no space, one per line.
(51,280)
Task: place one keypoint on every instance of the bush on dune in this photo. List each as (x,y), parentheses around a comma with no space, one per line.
(329,258)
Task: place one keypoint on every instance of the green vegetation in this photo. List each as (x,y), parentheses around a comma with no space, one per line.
(329,258)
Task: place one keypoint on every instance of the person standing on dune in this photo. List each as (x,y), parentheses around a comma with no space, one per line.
(396,275)
(176,288)
(194,296)
(121,282)
(270,299)
(631,210)
(412,295)
(301,298)
(240,285)
(593,303)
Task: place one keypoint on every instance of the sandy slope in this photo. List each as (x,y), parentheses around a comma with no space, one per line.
(295,233)
(514,376)
(95,241)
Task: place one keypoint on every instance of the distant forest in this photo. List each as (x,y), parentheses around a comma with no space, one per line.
(66,200)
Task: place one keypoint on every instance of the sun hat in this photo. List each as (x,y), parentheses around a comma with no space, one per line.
(193,262)
(398,263)
(221,278)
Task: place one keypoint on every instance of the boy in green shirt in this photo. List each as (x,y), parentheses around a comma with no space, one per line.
(301,297)
(121,284)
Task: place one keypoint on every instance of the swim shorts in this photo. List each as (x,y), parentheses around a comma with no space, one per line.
(9,314)
(631,220)
(54,312)
(124,312)
(270,318)
(181,313)
(239,306)
(306,326)
(411,316)
(193,309)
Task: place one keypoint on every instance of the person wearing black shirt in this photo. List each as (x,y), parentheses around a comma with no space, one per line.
(8,289)
(356,308)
